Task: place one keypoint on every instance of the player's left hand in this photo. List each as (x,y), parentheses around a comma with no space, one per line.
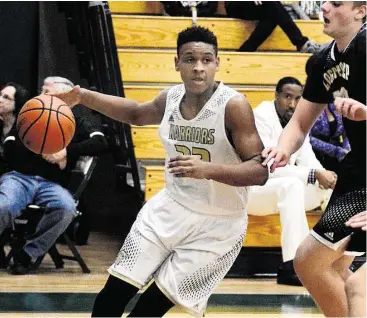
(351,108)
(188,166)
(358,221)
(56,157)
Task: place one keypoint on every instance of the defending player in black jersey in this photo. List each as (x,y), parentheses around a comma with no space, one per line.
(338,72)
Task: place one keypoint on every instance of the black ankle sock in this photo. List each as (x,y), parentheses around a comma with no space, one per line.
(288,265)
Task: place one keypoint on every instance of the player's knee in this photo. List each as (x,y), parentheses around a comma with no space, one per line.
(301,260)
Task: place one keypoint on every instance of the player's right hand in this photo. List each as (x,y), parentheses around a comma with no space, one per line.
(71,98)
(274,157)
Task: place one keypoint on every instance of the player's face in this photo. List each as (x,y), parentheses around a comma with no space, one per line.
(287,100)
(339,16)
(197,64)
(7,102)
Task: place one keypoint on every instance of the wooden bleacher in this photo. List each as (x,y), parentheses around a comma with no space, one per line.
(157,66)
(146,50)
(152,32)
(143,93)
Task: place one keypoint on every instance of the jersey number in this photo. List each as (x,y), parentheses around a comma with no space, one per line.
(203,153)
(343,93)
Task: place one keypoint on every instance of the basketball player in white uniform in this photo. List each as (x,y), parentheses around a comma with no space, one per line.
(186,237)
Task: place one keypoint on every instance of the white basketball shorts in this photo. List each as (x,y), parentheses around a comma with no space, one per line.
(186,253)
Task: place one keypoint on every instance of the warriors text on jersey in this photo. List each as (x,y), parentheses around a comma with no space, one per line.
(204,136)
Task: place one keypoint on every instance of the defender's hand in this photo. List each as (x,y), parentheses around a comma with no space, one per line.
(72,97)
(351,108)
(274,157)
(188,166)
(358,221)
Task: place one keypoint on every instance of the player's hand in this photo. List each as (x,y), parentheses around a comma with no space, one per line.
(258,3)
(188,166)
(327,179)
(71,98)
(56,157)
(351,108)
(274,157)
(358,221)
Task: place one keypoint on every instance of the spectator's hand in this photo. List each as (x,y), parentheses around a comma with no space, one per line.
(351,108)
(258,3)
(358,221)
(327,179)
(56,157)
(188,166)
(71,98)
(275,157)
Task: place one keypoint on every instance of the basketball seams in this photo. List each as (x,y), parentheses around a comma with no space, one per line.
(47,125)
(33,123)
(51,110)
(60,126)
(43,132)
(61,113)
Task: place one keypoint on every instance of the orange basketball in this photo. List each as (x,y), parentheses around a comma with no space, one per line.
(45,124)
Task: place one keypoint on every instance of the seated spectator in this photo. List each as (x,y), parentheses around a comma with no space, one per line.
(269,14)
(42,180)
(184,8)
(329,140)
(12,98)
(301,186)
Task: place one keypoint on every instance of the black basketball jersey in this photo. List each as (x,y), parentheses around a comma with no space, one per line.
(334,74)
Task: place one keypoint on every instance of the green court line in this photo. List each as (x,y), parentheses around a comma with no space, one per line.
(83,302)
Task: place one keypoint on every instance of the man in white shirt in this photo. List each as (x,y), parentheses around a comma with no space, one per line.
(301,186)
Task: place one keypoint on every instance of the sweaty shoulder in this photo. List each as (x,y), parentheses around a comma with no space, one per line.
(237,101)
(160,101)
(237,108)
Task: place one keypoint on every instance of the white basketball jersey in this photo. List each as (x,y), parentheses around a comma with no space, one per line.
(204,136)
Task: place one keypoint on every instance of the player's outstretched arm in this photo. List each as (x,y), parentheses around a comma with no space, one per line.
(118,108)
(241,126)
(350,108)
(293,135)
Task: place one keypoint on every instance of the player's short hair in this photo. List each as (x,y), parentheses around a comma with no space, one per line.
(197,34)
(21,96)
(287,80)
(359,3)
(63,84)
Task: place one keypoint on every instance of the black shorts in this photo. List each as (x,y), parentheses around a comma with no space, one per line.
(331,229)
